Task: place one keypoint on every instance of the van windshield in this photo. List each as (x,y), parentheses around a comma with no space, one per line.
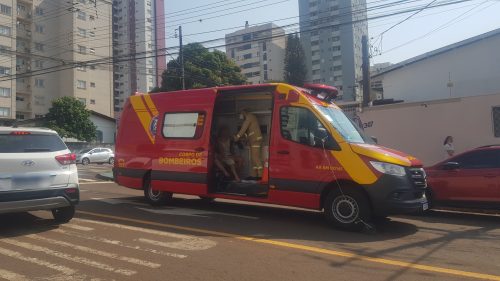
(349,130)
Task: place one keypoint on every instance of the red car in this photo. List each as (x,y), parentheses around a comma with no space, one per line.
(470,179)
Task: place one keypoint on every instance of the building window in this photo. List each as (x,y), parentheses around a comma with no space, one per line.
(82,32)
(4,112)
(4,92)
(247,56)
(5,30)
(19,116)
(92,85)
(92,101)
(82,49)
(39,28)
(5,10)
(81,84)
(39,83)
(39,11)
(83,101)
(496,121)
(183,125)
(4,70)
(82,15)
(39,63)
(315,43)
(39,47)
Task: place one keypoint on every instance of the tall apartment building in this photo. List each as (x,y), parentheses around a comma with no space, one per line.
(138,47)
(40,38)
(259,51)
(332,43)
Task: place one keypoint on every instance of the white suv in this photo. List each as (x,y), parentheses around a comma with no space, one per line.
(37,172)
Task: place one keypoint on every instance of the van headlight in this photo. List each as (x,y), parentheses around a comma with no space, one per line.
(390,169)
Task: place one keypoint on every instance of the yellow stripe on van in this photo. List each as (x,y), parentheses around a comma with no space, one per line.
(143,114)
(150,104)
(354,165)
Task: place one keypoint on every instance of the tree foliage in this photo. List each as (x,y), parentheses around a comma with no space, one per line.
(295,66)
(202,69)
(71,119)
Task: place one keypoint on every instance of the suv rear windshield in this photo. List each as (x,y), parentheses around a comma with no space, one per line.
(30,143)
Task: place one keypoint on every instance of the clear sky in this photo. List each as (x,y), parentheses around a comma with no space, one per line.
(425,31)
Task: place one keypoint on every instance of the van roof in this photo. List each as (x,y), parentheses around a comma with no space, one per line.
(226,88)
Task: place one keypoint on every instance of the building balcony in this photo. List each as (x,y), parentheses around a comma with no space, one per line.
(26,15)
(24,33)
(24,88)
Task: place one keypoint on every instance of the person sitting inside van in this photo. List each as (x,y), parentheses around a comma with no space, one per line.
(225,156)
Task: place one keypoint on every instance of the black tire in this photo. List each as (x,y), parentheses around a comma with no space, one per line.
(111,161)
(155,198)
(349,210)
(63,215)
(207,199)
(85,161)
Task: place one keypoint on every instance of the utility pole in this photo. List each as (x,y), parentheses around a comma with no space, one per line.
(366,70)
(181,58)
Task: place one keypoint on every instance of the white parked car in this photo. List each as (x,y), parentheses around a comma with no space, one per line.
(37,172)
(99,155)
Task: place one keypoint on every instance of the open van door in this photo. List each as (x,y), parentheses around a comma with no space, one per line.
(182,142)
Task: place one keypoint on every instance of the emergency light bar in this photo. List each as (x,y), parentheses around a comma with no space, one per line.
(321,91)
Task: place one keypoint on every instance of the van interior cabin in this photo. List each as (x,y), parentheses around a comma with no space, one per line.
(227,123)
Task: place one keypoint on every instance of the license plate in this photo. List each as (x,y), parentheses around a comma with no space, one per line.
(425,206)
(25,182)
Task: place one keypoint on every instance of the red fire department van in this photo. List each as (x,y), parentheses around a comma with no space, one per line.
(313,155)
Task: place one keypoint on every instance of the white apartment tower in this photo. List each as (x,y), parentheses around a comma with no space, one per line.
(259,51)
(138,47)
(46,50)
(331,32)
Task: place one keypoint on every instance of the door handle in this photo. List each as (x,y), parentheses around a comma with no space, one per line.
(199,149)
(284,152)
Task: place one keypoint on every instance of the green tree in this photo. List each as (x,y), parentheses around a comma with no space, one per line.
(295,66)
(69,117)
(202,69)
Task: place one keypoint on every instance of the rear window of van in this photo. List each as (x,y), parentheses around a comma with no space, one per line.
(30,143)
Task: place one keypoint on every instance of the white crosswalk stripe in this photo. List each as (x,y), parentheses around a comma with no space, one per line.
(95,251)
(13,254)
(187,242)
(79,227)
(87,180)
(118,243)
(11,276)
(68,257)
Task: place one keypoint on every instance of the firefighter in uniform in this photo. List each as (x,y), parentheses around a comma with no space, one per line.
(251,130)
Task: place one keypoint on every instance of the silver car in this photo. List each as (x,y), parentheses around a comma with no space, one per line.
(98,155)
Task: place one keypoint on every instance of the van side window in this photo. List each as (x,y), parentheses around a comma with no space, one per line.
(300,125)
(186,125)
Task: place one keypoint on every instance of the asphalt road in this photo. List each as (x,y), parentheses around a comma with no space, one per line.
(117,236)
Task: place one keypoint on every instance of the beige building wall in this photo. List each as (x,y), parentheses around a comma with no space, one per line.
(47,36)
(420,128)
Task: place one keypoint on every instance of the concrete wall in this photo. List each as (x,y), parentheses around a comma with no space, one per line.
(474,70)
(107,127)
(420,128)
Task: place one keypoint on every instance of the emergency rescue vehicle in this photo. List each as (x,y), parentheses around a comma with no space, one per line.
(313,155)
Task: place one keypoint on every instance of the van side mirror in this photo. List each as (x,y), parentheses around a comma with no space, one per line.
(375,139)
(451,166)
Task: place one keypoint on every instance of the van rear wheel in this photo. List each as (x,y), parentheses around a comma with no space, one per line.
(349,210)
(156,197)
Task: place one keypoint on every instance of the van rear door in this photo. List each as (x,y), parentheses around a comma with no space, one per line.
(182,142)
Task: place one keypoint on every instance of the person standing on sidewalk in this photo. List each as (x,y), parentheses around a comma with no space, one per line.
(448,146)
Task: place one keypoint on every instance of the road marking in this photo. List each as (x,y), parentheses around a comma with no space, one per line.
(192,213)
(87,180)
(97,182)
(115,201)
(11,276)
(95,251)
(187,242)
(79,227)
(13,254)
(396,263)
(118,243)
(68,257)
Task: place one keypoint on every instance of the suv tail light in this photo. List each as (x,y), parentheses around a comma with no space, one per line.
(66,159)
(20,133)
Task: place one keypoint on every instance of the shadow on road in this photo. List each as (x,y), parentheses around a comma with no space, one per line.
(19,224)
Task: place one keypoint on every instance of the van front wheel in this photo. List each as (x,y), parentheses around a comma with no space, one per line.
(156,197)
(348,210)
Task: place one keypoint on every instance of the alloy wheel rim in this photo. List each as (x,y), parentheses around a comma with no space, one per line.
(345,209)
